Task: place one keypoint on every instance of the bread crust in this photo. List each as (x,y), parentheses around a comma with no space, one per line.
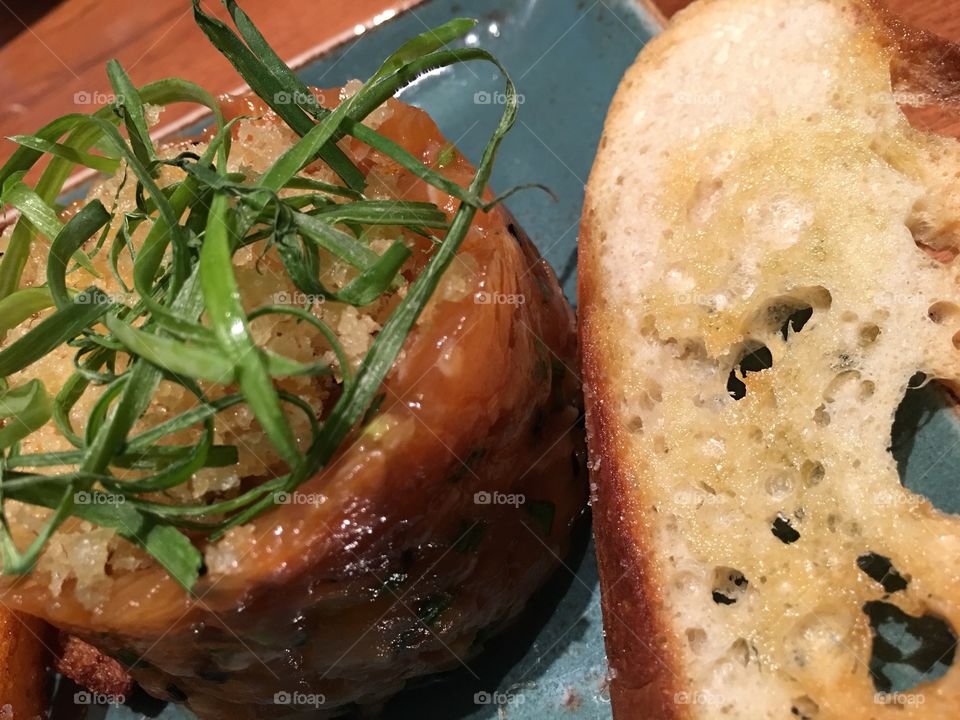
(644,667)
(645,663)
(922,62)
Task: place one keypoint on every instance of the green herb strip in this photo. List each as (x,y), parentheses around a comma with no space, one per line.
(222,296)
(183,269)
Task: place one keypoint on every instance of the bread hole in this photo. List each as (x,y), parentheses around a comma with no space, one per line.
(648,326)
(696,639)
(755,358)
(796,321)
(706,198)
(907,650)
(779,486)
(843,383)
(635,424)
(655,391)
(879,568)
(941,242)
(741,652)
(647,395)
(660,445)
(783,530)
(812,473)
(729,585)
(804,708)
(869,334)
(816,296)
(943,312)
(791,312)
(820,416)
(707,488)
(925,443)
(783,315)
(692,350)
(686,581)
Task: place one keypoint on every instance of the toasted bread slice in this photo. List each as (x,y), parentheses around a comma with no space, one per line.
(758,192)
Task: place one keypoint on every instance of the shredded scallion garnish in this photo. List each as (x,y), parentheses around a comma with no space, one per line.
(182,321)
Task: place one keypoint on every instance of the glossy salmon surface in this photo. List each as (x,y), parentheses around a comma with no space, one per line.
(430,529)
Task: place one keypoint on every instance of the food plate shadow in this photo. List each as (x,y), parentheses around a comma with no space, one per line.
(515,662)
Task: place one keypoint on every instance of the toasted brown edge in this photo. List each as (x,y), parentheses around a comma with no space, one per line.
(645,667)
(922,61)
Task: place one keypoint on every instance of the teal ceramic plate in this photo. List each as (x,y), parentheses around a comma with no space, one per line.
(566,57)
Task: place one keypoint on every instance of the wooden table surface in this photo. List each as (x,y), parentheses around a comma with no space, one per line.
(52,53)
